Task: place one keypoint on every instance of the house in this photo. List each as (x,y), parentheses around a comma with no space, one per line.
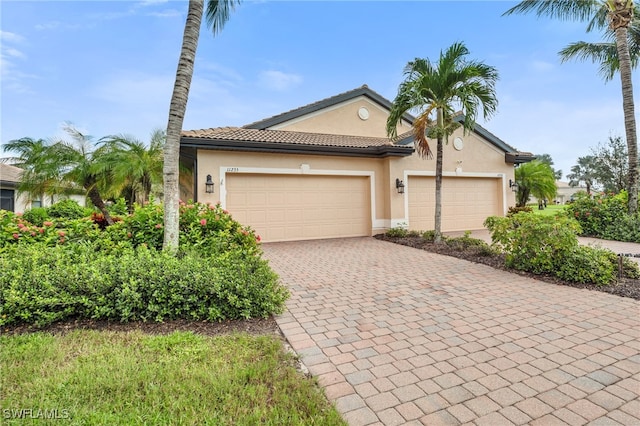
(328,170)
(12,200)
(566,192)
(9,197)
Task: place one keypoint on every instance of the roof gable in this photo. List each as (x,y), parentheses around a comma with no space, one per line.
(332,101)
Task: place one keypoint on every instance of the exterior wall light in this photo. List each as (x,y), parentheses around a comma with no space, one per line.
(208,186)
(513,185)
(399,186)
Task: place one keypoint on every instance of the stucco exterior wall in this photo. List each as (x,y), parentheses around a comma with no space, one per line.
(344,119)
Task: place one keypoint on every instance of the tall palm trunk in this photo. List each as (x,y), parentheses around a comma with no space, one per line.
(620,19)
(439,154)
(174,127)
(629,116)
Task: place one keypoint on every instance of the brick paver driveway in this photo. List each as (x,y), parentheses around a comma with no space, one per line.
(396,335)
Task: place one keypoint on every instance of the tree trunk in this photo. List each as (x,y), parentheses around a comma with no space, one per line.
(174,126)
(629,111)
(439,154)
(96,199)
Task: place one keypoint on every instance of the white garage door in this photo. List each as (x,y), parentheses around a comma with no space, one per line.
(286,207)
(466,202)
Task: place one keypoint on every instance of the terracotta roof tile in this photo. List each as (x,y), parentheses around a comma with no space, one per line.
(285,137)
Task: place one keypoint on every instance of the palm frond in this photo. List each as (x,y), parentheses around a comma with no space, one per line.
(218,12)
(565,10)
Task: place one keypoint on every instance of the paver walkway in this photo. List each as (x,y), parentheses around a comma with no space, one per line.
(397,335)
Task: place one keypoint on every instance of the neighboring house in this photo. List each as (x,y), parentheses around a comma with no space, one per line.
(12,200)
(328,170)
(9,197)
(565,192)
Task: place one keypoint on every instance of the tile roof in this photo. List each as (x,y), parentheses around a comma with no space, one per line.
(241,134)
(9,173)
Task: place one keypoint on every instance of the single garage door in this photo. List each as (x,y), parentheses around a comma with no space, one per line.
(288,207)
(466,202)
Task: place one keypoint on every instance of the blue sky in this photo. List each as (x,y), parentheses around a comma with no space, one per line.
(108,67)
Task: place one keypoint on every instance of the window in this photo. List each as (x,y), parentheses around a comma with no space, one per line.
(7,199)
(36,203)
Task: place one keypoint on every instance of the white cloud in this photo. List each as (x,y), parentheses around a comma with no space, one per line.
(7,36)
(167,13)
(278,80)
(48,26)
(542,66)
(151,2)
(15,53)
(12,78)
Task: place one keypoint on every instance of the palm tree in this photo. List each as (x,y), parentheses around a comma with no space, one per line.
(134,166)
(428,89)
(605,53)
(618,14)
(546,158)
(584,171)
(41,174)
(217,15)
(535,178)
(80,162)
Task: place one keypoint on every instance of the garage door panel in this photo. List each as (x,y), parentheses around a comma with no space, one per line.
(466,202)
(286,207)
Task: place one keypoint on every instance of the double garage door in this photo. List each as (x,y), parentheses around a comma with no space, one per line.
(466,202)
(300,207)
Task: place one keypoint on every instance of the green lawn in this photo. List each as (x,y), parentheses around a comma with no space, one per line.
(550,210)
(118,378)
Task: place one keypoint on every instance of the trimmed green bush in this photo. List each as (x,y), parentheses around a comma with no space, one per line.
(41,285)
(36,215)
(71,268)
(398,232)
(533,242)
(466,242)
(68,209)
(588,265)
(549,244)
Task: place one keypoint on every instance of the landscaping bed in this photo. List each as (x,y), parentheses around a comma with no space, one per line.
(625,287)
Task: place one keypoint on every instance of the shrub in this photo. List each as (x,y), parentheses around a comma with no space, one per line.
(68,209)
(533,242)
(398,232)
(605,216)
(36,216)
(140,284)
(515,210)
(466,242)
(585,264)
(429,235)
(549,244)
(119,273)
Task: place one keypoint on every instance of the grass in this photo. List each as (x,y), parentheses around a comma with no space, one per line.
(107,378)
(551,209)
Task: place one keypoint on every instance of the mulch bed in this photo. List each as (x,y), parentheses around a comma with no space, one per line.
(625,287)
(266,326)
